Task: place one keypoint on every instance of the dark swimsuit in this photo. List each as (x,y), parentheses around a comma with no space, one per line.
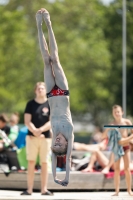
(56,91)
(125,148)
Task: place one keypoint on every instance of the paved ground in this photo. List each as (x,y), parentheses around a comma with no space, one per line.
(15,195)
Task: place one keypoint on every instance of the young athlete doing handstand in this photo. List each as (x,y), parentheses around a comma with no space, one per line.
(58,97)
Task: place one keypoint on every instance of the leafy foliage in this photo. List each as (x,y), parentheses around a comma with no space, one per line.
(89,40)
(113,33)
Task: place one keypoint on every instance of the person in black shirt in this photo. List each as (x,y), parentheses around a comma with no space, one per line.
(38,140)
(3,127)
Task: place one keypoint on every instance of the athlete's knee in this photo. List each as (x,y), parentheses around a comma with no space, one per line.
(126,168)
(55,59)
(47,61)
(97,151)
(43,164)
(31,162)
(117,168)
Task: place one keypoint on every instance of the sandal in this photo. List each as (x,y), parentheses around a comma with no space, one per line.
(25,193)
(48,193)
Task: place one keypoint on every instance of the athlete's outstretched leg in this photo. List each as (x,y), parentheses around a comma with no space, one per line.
(48,71)
(60,77)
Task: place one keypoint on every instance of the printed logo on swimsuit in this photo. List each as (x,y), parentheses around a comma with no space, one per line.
(59,91)
(45,110)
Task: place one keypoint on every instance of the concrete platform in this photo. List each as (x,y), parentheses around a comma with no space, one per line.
(15,195)
(78,181)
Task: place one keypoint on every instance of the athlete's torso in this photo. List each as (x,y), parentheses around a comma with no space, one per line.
(60,116)
(124,132)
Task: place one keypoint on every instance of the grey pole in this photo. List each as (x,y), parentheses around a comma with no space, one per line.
(124,57)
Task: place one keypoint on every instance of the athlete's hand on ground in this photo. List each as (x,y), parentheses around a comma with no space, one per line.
(63,182)
(39,17)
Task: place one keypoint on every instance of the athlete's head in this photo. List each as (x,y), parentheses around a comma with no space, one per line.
(14,118)
(59,146)
(117,111)
(40,89)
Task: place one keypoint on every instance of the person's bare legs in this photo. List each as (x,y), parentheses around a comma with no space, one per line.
(48,71)
(85,147)
(128,177)
(90,166)
(117,177)
(131,166)
(90,147)
(96,156)
(44,177)
(30,176)
(110,164)
(60,77)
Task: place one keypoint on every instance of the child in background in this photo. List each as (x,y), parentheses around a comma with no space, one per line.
(117,113)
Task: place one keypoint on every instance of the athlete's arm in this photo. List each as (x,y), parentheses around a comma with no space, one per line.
(130,123)
(54,160)
(105,133)
(54,163)
(68,164)
(126,140)
(68,158)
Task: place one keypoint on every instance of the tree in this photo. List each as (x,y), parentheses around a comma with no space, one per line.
(83,50)
(113,34)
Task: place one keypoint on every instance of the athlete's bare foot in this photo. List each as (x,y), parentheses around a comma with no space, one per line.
(46,16)
(105,170)
(88,169)
(39,17)
(116,194)
(130,192)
